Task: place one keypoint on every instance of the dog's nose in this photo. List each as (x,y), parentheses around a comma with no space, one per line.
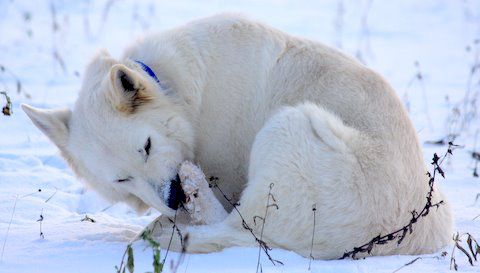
(176,195)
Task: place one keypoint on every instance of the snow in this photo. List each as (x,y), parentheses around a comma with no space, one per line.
(433,32)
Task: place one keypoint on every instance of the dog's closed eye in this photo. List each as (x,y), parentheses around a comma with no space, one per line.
(146,149)
(147,146)
(127,179)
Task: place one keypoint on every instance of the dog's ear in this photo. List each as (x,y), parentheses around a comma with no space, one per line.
(130,89)
(53,123)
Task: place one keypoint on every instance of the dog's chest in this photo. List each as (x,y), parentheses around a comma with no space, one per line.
(223,154)
(224,138)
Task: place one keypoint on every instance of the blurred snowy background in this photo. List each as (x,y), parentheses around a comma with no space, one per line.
(428,50)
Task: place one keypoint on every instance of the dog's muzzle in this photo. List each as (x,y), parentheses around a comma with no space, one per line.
(176,196)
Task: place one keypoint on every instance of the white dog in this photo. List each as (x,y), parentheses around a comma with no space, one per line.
(262,111)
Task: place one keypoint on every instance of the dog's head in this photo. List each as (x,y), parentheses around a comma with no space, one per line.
(125,136)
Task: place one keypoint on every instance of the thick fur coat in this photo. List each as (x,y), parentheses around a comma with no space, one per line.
(252,106)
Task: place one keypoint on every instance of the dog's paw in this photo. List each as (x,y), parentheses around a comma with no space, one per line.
(192,178)
(201,203)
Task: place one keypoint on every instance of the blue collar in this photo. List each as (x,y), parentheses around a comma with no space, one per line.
(150,72)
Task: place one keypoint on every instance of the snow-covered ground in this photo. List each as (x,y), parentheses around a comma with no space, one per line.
(46,44)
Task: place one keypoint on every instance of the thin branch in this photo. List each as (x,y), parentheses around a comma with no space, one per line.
(40,220)
(7,109)
(314,209)
(417,259)
(402,232)
(473,247)
(51,196)
(171,236)
(264,219)
(8,228)
(213,183)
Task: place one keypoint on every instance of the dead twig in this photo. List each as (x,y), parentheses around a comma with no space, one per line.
(263,245)
(264,219)
(420,258)
(7,109)
(402,232)
(40,220)
(8,228)
(87,219)
(473,247)
(311,258)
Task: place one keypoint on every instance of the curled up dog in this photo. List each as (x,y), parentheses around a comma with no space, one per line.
(252,106)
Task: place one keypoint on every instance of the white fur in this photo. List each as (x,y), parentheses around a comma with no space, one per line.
(254,106)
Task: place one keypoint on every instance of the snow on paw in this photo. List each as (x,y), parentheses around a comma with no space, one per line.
(201,203)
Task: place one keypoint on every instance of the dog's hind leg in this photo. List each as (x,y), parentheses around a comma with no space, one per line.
(305,157)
